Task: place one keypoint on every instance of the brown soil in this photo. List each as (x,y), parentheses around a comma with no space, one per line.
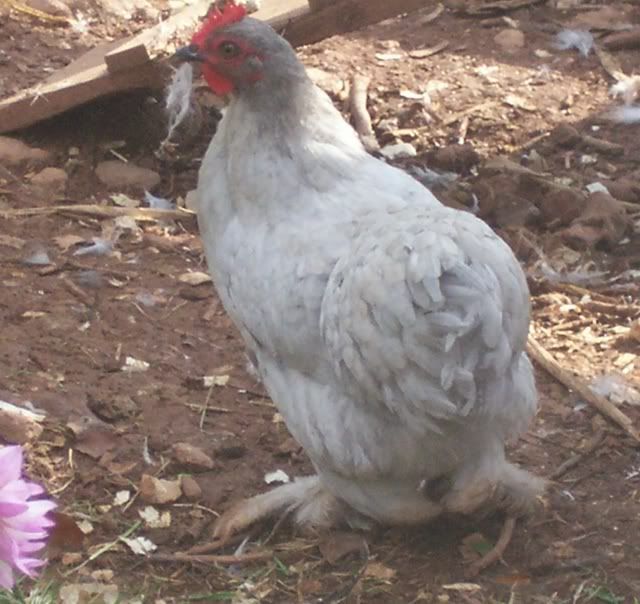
(63,347)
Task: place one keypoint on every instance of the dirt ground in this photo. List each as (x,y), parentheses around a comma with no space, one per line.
(70,324)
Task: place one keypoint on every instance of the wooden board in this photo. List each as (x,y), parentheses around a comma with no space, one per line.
(135,62)
(342,16)
(123,65)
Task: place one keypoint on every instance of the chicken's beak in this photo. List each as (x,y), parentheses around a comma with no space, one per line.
(189,53)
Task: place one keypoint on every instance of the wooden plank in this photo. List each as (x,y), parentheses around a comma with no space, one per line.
(315,5)
(122,65)
(344,16)
(123,59)
(134,62)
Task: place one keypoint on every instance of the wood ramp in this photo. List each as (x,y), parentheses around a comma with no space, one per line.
(139,61)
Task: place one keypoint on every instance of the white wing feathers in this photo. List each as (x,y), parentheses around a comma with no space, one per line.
(427,317)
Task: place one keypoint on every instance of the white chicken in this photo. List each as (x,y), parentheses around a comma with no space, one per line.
(388,329)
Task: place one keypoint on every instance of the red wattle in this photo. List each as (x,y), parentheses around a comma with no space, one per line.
(218,83)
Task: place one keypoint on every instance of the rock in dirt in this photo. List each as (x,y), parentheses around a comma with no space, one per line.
(52,180)
(399,151)
(51,7)
(565,136)
(561,206)
(454,158)
(121,406)
(192,456)
(14,151)
(190,488)
(157,490)
(625,189)
(19,425)
(604,221)
(510,40)
(117,174)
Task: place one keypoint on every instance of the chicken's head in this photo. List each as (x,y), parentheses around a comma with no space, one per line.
(236,51)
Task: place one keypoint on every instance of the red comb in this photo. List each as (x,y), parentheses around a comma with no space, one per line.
(216,18)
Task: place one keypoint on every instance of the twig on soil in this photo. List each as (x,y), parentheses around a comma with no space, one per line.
(546,360)
(496,552)
(205,406)
(596,440)
(6,173)
(213,558)
(105,548)
(214,546)
(359,113)
(78,292)
(617,310)
(97,211)
(468,111)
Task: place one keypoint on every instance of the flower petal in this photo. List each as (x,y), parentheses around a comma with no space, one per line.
(6,576)
(10,464)
(9,509)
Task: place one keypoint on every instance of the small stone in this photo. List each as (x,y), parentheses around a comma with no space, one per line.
(625,189)
(561,206)
(157,490)
(398,151)
(565,135)
(14,151)
(51,180)
(510,40)
(190,488)
(192,456)
(18,425)
(116,174)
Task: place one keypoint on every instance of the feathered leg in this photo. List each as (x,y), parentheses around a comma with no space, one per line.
(312,505)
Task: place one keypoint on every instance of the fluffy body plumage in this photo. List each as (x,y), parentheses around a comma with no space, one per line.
(388,329)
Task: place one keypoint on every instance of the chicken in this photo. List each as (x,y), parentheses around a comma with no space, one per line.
(388,329)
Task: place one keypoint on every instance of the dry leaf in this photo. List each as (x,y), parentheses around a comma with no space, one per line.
(64,242)
(66,534)
(215,380)
(337,545)
(134,365)
(154,519)
(93,440)
(278,476)
(85,526)
(122,497)
(377,570)
(157,490)
(141,546)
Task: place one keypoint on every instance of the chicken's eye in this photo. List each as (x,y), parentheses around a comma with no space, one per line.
(228,50)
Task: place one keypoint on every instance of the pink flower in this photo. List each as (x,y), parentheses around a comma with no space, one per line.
(23,521)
